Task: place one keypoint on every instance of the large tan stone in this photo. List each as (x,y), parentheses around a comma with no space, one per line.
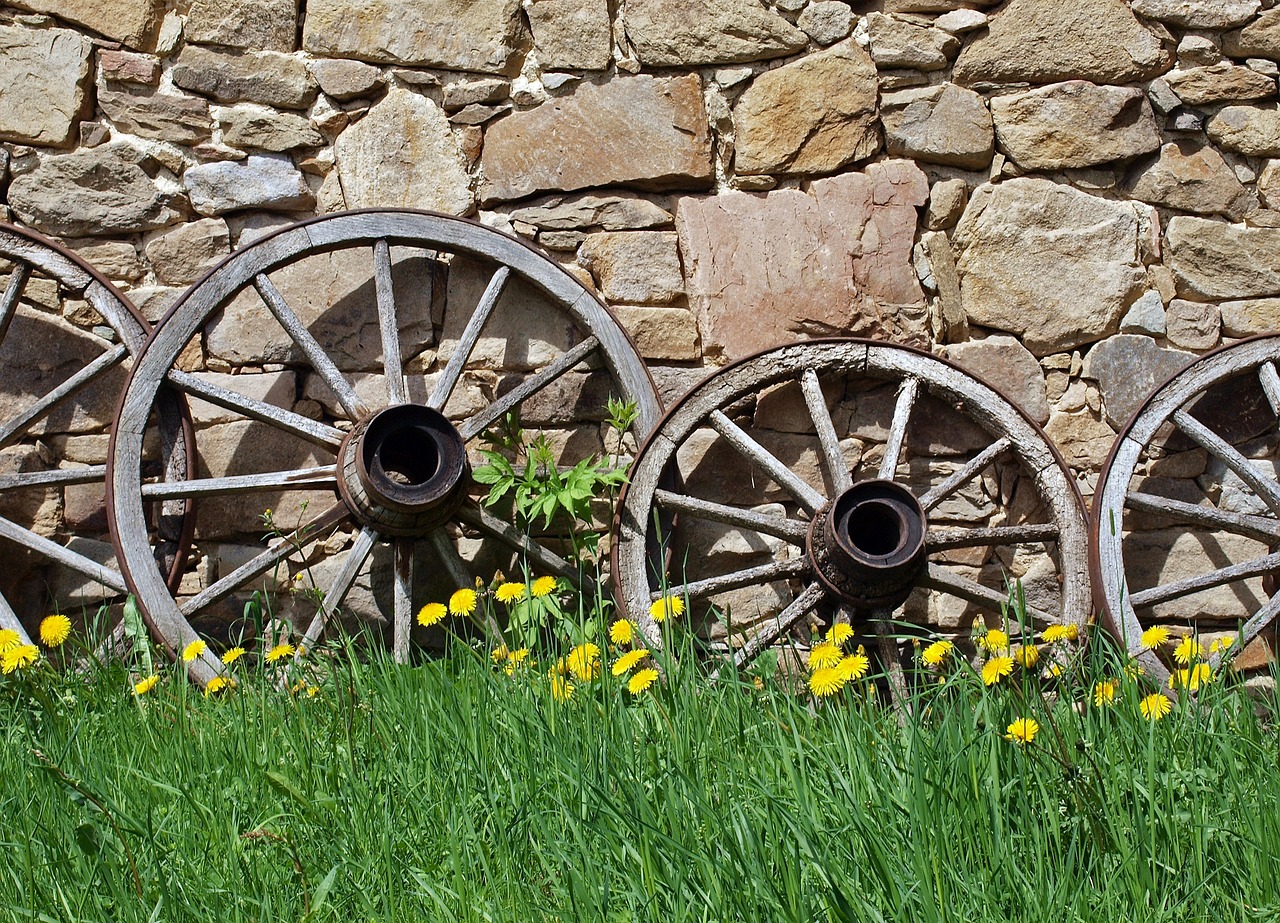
(676,33)
(616,212)
(1189,177)
(1074,124)
(266,77)
(469,35)
(649,132)
(402,154)
(96,191)
(635,267)
(1220,83)
(259,181)
(1083,440)
(252,127)
(181,256)
(899,44)
(1127,369)
(1198,14)
(42,82)
(669,334)
(1213,259)
(948,125)
(761,270)
(1260,38)
(1008,366)
(1251,130)
(133,22)
(1049,263)
(262,25)
(1250,316)
(812,116)
(1038,42)
(170,117)
(572,34)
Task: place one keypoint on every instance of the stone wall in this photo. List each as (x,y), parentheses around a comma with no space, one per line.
(1069,198)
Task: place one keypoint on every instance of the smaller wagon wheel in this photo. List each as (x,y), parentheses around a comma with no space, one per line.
(859,480)
(1185,524)
(66,337)
(341,373)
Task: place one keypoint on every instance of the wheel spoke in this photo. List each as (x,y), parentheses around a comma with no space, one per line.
(275,553)
(737,437)
(1226,453)
(310,347)
(402,594)
(958,479)
(320,478)
(86,567)
(898,428)
(1270,380)
(1257,527)
(60,476)
(480,518)
(330,437)
(765,573)
(942,539)
(789,530)
(12,292)
(461,576)
(392,369)
(467,342)
(23,421)
(797,609)
(9,619)
(341,585)
(477,422)
(1213,578)
(944,581)
(841,477)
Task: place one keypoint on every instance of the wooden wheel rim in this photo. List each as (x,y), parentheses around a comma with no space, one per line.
(373,229)
(1014,431)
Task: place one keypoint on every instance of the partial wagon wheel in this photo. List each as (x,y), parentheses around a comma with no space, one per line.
(361,357)
(1186,523)
(858,480)
(66,337)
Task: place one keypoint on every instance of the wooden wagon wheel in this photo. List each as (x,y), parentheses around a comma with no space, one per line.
(1185,524)
(373,426)
(866,450)
(60,380)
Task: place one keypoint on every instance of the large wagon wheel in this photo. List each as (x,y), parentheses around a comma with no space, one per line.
(896,479)
(368,425)
(1186,522)
(60,383)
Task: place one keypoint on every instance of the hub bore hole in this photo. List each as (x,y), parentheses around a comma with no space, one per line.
(875,528)
(409,456)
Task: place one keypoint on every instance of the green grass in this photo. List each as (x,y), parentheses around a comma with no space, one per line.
(450,791)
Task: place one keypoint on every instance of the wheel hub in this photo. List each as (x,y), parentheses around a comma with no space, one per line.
(867,545)
(403,470)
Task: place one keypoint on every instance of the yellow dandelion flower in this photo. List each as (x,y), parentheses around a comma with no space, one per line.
(1023,731)
(996,669)
(516,659)
(627,662)
(1073,631)
(1054,634)
(1133,669)
(232,655)
(313,691)
(825,654)
(510,592)
(1056,670)
(54,630)
(854,666)
(642,680)
(1221,645)
(9,639)
(193,650)
(18,658)
(543,586)
(622,632)
(1191,678)
(1155,706)
(996,641)
(584,662)
(826,681)
(666,606)
(279,652)
(936,653)
(219,684)
(1104,692)
(561,688)
(1027,656)
(1187,648)
(1154,637)
(839,633)
(432,613)
(143,686)
(500,653)
(463,602)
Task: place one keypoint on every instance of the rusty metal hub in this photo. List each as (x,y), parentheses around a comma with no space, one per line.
(403,470)
(867,545)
